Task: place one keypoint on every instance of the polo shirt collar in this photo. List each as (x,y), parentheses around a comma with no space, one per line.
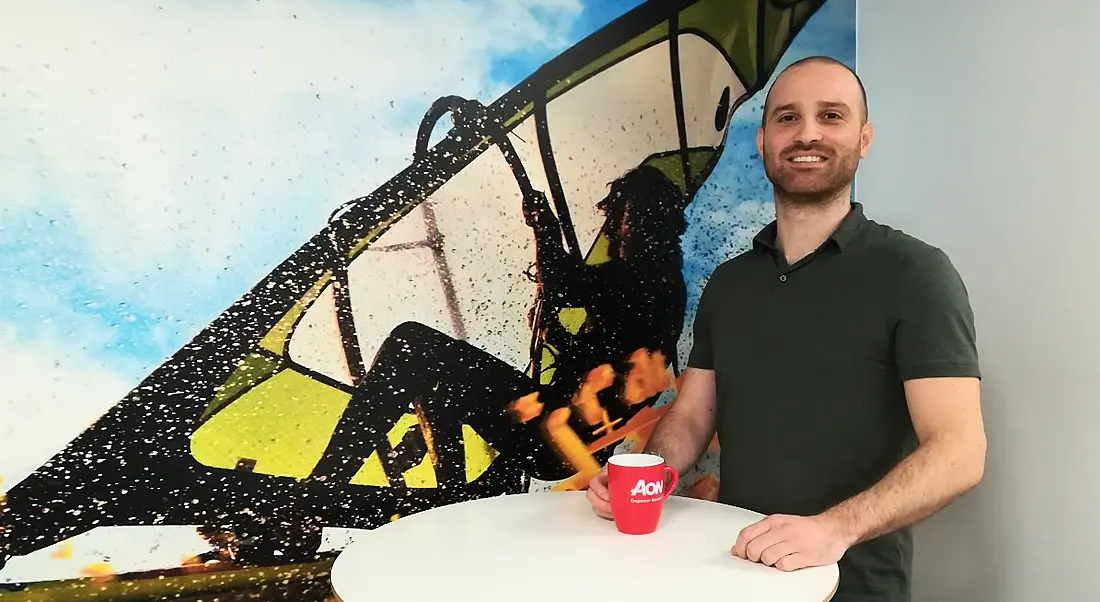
(843,236)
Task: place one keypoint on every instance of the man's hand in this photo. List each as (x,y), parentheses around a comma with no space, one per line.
(597,495)
(790,543)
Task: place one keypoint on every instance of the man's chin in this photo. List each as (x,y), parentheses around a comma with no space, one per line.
(810,187)
(809,195)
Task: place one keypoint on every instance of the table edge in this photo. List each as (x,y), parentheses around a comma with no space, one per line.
(337,598)
(828,598)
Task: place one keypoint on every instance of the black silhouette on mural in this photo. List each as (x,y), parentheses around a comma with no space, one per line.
(633,303)
(325,398)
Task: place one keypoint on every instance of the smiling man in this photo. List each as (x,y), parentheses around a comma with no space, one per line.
(836,359)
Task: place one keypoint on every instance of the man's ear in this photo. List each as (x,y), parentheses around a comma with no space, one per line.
(760,141)
(865,138)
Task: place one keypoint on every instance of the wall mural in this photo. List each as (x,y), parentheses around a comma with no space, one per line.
(501,313)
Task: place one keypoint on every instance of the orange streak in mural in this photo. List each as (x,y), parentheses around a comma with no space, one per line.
(567,443)
(98,571)
(426,430)
(527,408)
(706,488)
(648,376)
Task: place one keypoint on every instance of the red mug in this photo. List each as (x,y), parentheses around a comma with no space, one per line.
(636,485)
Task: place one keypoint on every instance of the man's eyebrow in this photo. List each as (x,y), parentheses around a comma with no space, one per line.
(825,104)
(834,104)
(787,107)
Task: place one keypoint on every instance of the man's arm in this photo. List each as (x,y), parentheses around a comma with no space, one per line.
(949,461)
(937,360)
(688,426)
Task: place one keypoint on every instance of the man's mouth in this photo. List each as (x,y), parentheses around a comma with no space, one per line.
(807,159)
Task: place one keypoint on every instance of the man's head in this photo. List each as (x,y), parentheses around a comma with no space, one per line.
(814,130)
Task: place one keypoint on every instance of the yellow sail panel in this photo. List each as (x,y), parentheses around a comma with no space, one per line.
(399,428)
(673,168)
(421,476)
(658,32)
(600,252)
(280,427)
(547,357)
(733,25)
(698,160)
(372,473)
(479,454)
(572,318)
(275,339)
(546,366)
(253,368)
(636,44)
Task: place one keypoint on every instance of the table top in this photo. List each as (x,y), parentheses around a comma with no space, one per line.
(550,546)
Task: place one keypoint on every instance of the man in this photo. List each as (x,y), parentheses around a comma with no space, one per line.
(836,359)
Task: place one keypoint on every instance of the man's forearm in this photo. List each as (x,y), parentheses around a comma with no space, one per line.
(679,438)
(926,481)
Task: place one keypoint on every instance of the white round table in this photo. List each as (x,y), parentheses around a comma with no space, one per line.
(550,546)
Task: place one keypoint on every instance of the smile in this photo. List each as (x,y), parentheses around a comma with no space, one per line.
(808,159)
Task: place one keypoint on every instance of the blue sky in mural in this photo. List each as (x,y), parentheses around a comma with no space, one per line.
(594,15)
(130,284)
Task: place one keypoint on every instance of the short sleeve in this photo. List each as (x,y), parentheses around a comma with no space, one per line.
(935,334)
(702,354)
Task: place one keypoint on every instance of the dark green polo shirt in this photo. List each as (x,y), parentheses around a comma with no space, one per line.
(810,361)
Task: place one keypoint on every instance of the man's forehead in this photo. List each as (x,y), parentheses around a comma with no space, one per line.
(814,83)
(814,86)
(814,104)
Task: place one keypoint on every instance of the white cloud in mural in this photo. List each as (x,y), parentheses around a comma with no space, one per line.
(178,138)
(60,392)
(182,137)
(185,136)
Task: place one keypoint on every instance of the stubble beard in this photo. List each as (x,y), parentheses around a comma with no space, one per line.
(813,188)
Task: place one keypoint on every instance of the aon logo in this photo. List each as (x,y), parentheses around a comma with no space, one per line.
(650,488)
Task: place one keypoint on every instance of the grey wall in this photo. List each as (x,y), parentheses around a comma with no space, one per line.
(988,123)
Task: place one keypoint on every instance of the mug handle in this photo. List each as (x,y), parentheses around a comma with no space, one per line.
(671,472)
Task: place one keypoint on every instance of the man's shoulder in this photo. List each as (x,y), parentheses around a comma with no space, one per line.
(907,252)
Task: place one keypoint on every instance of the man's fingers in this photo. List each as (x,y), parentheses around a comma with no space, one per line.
(750,533)
(598,496)
(598,486)
(601,507)
(777,551)
(793,562)
(756,547)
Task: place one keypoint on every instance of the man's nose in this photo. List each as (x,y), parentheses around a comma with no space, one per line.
(809,132)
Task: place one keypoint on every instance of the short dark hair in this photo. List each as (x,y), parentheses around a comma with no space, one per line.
(828,60)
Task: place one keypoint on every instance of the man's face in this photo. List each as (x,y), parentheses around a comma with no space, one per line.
(813,136)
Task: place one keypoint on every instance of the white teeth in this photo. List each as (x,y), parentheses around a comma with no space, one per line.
(806,159)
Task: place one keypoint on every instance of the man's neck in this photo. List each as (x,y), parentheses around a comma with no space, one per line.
(802,227)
